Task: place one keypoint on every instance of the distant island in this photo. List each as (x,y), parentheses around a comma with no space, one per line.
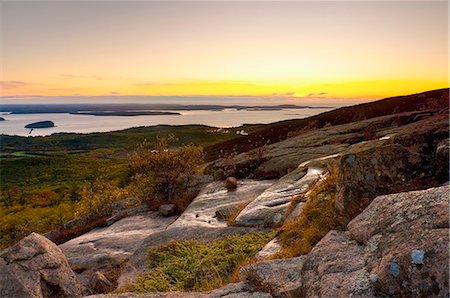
(40,124)
(135,109)
(126,113)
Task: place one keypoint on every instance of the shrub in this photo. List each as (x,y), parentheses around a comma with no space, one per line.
(318,217)
(97,200)
(161,174)
(195,266)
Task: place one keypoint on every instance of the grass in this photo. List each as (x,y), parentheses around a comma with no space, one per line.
(318,217)
(196,266)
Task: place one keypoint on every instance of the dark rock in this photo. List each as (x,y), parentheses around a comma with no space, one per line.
(2,119)
(41,124)
(36,267)
(167,210)
(99,284)
(231,183)
(375,169)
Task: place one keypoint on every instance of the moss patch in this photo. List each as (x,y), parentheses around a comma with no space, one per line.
(196,266)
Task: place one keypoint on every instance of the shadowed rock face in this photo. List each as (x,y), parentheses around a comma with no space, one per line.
(36,267)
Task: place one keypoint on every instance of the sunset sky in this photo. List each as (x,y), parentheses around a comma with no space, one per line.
(355,50)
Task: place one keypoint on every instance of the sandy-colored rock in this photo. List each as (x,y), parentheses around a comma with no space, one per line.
(36,267)
(103,248)
(269,249)
(406,237)
(336,268)
(280,278)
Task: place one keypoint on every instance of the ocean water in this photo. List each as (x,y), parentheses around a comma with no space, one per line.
(14,124)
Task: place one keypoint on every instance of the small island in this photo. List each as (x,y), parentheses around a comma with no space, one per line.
(40,124)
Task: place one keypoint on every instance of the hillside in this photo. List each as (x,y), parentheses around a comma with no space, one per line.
(279,131)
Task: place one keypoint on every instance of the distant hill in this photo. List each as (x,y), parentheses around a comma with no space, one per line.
(278,131)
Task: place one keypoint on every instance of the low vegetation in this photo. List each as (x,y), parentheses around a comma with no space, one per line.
(161,175)
(97,200)
(318,217)
(196,266)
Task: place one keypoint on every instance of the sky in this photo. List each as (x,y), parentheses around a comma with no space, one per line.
(276,50)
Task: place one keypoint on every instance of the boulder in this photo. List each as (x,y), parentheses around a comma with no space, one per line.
(269,249)
(397,247)
(280,278)
(36,267)
(231,183)
(406,236)
(167,210)
(372,169)
(335,267)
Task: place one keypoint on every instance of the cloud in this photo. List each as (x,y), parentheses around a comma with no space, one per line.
(81,76)
(11,84)
(191,82)
(291,93)
(315,94)
(63,89)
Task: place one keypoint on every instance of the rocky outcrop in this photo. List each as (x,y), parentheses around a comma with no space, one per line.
(406,238)
(279,158)
(104,248)
(335,267)
(215,203)
(280,278)
(398,247)
(269,208)
(36,267)
(235,290)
